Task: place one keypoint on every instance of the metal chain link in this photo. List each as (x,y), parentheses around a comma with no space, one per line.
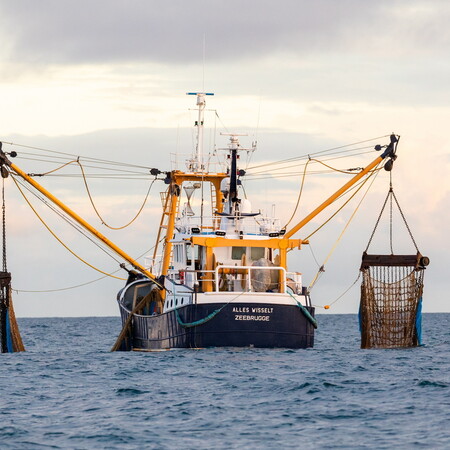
(378,221)
(390,212)
(406,223)
(391,195)
(4,225)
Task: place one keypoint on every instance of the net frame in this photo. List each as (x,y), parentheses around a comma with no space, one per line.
(391,292)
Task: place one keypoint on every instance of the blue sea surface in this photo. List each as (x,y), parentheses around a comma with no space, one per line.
(69,391)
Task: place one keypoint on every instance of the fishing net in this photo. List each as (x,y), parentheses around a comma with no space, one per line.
(391,300)
(10,338)
(390,311)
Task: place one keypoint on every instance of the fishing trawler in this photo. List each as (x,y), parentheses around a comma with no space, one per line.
(222,278)
(223,273)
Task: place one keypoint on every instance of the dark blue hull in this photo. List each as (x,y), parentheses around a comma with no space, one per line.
(236,325)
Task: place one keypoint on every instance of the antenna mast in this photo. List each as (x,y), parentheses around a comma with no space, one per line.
(197,160)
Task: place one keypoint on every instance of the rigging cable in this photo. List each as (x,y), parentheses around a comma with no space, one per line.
(220,120)
(344,204)
(58,239)
(71,222)
(338,298)
(374,174)
(71,155)
(66,288)
(290,165)
(57,160)
(319,152)
(349,172)
(98,214)
(87,282)
(313,255)
(299,194)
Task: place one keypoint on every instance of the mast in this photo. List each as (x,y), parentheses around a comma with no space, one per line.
(233,181)
(233,147)
(197,160)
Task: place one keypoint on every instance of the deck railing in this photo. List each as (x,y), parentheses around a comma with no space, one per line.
(246,225)
(250,279)
(242,279)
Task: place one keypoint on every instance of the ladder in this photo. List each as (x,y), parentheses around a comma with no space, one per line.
(163,225)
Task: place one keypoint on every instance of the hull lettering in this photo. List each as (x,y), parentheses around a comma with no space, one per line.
(252,318)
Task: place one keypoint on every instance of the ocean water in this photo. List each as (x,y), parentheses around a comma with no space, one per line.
(69,391)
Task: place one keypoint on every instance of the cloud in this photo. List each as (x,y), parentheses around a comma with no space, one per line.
(83,31)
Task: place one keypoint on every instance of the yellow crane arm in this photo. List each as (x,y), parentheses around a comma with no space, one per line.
(388,153)
(5,161)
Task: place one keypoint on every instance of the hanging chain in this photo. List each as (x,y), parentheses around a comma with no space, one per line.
(391,192)
(390,196)
(4,288)
(404,220)
(4,225)
(378,221)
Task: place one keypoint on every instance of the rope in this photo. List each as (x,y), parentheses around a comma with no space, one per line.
(51,160)
(207,318)
(299,194)
(58,239)
(313,255)
(348,172)
(305,312)
(334,301)
(290,165)
(322,268)
(200,321)
(98,214)
(342,206)
(66,288)
(69,220)
(51,171)
(87,282)
(318,153)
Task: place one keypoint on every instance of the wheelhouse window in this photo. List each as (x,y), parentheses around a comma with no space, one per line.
(237,252)
(257,253)
(192,253)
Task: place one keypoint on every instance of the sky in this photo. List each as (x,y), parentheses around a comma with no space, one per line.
(107,79)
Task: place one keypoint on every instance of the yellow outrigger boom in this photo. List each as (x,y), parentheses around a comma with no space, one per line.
(5,161)
(177,178)
(282,243)
(388,153)
(332,198)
